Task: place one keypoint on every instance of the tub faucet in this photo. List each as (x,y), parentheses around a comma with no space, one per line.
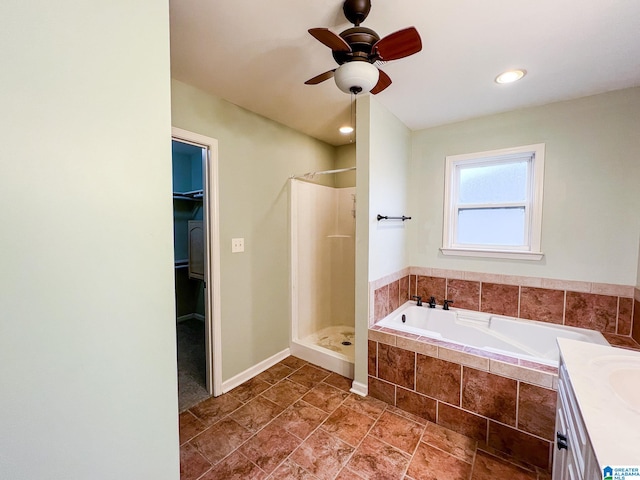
(418,300)
(432,302)
(446,304)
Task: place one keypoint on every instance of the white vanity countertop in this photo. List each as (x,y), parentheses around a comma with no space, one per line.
(606,382)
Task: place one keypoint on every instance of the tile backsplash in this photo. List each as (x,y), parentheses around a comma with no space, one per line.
(613,310)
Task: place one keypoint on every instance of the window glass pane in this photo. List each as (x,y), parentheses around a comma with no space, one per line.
(493,183)
(491,226)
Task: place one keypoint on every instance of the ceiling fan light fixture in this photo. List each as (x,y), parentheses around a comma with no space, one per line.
(510,76)
(346,129)
(356,77)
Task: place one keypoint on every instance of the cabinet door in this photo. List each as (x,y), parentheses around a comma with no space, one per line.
(592,470)
(560,457)
(196,249)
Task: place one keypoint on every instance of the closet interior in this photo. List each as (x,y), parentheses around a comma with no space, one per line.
(188,229)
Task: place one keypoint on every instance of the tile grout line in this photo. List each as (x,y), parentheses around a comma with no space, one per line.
(517,405)
(519,300)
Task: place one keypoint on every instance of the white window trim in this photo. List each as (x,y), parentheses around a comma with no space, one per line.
(533,252)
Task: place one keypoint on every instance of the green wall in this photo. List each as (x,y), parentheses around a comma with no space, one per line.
(590,226)
(345,158)
(87,327)
(256,158)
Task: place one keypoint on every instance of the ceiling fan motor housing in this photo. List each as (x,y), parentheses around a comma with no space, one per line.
(361,40)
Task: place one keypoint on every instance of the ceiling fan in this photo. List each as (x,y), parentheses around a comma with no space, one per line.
(357,49)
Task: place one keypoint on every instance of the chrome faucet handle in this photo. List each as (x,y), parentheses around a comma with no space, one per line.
(418,300)
(446,304)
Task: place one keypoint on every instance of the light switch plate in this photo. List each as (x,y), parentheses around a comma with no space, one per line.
(237,245)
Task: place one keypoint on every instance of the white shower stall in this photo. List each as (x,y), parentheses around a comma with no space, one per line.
(323,275)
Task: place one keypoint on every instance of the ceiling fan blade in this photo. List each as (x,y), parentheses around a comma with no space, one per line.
(398,45)
(383,82)
(332,40)
(320,78)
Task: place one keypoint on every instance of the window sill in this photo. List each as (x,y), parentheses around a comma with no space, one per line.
(492,254)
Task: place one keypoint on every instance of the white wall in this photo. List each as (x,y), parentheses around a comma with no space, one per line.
(87,328)
(382,159)
(362,242)
(256,158)
(389,156)
(590,224)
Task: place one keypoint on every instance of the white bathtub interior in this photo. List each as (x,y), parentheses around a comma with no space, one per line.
(323,275)
(527,339)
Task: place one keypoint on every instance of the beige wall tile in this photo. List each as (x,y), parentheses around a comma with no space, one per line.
(417,346)
(570,285)
(527,375)
(534,282)
(420,271)
(382,337)
(611,289)
(463,358)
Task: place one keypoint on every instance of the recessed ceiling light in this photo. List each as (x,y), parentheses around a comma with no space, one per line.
(510,76)
(346,129)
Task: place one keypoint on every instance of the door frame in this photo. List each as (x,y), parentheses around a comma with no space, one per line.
(213,312)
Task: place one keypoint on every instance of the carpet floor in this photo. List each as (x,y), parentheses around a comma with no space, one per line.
(191,364)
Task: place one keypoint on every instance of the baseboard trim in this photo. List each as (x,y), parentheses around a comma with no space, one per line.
(251,372)
(358,388)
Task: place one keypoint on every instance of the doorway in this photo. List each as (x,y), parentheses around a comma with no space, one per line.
(197,271)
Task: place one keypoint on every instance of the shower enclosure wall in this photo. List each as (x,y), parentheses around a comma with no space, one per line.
(323,275)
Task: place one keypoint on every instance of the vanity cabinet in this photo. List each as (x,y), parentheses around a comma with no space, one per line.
(598,412)
(573,455)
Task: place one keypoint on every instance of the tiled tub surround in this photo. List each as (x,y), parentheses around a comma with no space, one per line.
(613,310)
(506,403)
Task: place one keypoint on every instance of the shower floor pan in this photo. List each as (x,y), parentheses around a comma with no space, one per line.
(332,348)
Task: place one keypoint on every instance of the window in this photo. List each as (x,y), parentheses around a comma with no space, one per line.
(493,203)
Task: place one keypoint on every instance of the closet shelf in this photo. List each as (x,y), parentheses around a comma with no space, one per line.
(181,263)
(194,195)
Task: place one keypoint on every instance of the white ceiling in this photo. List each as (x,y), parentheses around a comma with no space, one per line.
(257,54)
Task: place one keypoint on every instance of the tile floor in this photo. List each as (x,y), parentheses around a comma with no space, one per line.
(298,421)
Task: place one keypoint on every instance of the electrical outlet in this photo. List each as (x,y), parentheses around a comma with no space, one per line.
(237,245)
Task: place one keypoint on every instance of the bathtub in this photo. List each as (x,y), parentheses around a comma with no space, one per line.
(527,339)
